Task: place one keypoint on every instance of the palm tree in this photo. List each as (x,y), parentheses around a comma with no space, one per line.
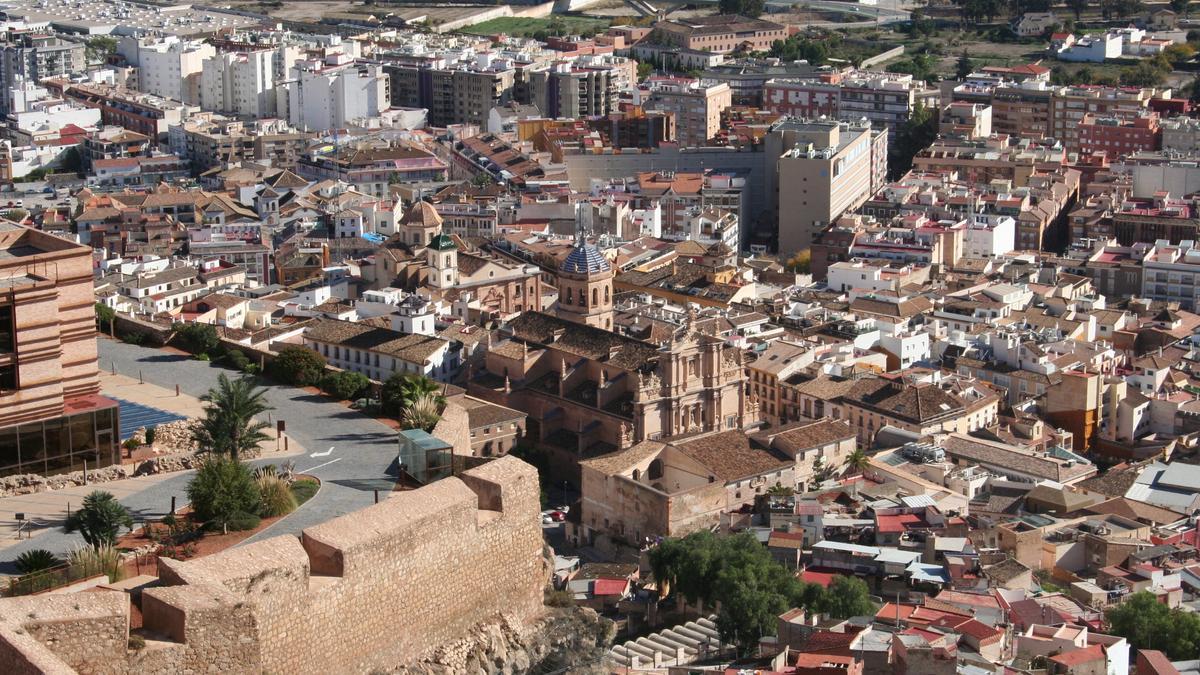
(100,520)
(857,461)
(229,427)
(424,413)
(401,392)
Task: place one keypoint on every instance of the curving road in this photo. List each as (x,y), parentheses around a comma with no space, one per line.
(348,446)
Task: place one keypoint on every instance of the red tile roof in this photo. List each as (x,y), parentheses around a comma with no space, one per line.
(822,578)
(899,523)
(609,586)
(1078,656)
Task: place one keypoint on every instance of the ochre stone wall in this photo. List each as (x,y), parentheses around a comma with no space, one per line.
(370,590)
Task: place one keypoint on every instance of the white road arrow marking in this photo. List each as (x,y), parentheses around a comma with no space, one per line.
(323,454)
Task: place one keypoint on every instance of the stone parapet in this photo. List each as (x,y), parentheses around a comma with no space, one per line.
(374,589)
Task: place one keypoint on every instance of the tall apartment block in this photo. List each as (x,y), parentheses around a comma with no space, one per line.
(823,169)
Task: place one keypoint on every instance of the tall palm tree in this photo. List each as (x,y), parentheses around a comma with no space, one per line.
(229,427)
(857,461)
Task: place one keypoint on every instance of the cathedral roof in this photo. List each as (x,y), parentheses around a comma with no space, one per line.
(422,214)
(585,259)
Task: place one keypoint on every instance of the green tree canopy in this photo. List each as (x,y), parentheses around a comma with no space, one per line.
(298,366)
(751,588)
(197,338)
(964,67)
(1149,624)
(846,597)
(917,133)
(750,8)
(345,385)
(223,491)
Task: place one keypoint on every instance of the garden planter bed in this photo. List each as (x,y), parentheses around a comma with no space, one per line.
(206,543)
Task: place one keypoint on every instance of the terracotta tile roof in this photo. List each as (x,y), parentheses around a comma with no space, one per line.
(574,338)
(813,434)
(617,462)
(731,455)
(916,403)
(410,348)
(1076,657)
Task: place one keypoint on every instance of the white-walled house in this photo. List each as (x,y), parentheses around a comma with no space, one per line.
(380,352)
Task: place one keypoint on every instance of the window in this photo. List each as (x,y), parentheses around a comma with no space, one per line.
(8,334)
(8,378)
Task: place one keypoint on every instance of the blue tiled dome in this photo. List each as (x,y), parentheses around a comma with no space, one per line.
(585,259)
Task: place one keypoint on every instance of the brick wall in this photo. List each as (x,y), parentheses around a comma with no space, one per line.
(370,590)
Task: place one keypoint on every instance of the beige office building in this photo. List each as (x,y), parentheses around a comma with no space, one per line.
(824,169)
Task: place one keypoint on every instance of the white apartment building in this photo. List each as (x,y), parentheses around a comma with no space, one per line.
(240,83)
(989,236)
(1172,273)
(380,352)
(859,274)
(167,66)
(333,93)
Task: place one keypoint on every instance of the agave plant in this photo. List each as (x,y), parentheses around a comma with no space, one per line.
(424,413)
(264,471)
(36,560)
(100,519)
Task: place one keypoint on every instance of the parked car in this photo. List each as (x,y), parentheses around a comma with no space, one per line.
(558,516)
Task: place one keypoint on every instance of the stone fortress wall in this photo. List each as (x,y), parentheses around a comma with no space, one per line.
(374,589)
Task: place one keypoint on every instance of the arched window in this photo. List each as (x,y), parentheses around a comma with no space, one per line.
(637,475)
(606,300)
(582,298)
(447,261)
(656,469)
(567,297)
(595,296)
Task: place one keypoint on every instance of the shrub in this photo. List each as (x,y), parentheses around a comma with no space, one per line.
(237,359)
(556,598)
(202,357)
(100,519)
(36,560)
(137,642)
(344,385)
(221,490)
(151,433)
(240,522)
(136,339)
(131,444)
(276,499)
(250,369)
(197,338)
(86,561)
(298,366)
(304,489)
